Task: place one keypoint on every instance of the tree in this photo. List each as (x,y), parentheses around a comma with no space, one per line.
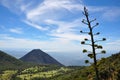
(92,41)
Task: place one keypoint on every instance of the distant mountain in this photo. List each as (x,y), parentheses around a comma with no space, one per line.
(8,61)
(38,56)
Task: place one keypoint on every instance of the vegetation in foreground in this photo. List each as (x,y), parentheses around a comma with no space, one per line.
(109,69)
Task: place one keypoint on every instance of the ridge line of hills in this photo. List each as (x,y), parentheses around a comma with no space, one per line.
(37,56)
(34,57)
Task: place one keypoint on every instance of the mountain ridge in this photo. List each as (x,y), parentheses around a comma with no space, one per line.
(38,56)
(7,61)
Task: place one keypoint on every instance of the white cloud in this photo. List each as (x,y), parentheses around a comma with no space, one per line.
(62,44)
(115,42)
(55,9)
(70,36)
(51,12)
(65,27)
(52,8)
(112,13)
(16,30)
(108,13)
(35,25)
(26,6)
(3,36)
(96,8)
(13,5)
(67,30)
(46,12)
(52,45)
(112,45)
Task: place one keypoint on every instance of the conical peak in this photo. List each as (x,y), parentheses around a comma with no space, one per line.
(36,50)
(39,56)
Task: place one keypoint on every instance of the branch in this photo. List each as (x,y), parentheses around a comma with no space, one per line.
(95,25)
(97,41)
(97,33)
(83,42)
(102,52)
(84,21)
(104,39)
(86,39)
(85,11)
(98,47)
(84,32)
(88,44)
(93,20)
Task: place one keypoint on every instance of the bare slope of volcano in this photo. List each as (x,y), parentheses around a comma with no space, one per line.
(38,56)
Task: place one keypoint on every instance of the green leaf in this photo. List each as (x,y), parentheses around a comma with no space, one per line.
(84,50)
(86,61)
(95,45)
(81,31)
(103,51)
(82,42)
(104,39)
(86,39)
(97,23)
(99,47)
(90,55)
(98,33)
(89,33)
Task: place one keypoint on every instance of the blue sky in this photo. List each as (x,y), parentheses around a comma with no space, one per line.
(54,25)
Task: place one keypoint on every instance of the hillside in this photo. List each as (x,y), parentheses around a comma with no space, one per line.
(8,61)
(109,69)
(38,56)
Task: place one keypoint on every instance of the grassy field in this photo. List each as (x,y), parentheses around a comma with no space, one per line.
(36,72)
(7,75)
